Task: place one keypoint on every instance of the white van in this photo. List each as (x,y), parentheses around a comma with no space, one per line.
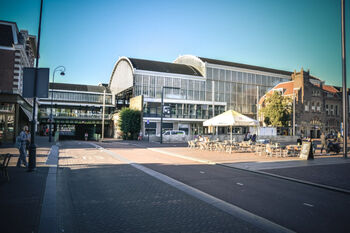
(174,132)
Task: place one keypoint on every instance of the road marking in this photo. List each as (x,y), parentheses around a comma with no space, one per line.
(228,208)
(201,172)
(307,204)
(239,184)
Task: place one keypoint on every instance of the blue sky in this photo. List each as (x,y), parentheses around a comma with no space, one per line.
(87,37)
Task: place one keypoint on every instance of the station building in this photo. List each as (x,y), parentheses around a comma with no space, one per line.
(196,89)
(77,109)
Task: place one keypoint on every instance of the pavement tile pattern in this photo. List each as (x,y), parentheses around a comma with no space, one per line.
(109,196)
(21,196)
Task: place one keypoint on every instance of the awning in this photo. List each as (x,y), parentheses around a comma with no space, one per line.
(27,113)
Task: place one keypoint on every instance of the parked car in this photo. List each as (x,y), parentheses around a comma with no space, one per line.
(174,132)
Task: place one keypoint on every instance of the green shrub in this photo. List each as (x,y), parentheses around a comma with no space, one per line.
(129,123)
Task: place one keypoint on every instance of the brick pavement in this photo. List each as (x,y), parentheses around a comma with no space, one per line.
(101,194)
(21,197)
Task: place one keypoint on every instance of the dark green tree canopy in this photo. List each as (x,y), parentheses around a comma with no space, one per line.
(129,123)
(277,110)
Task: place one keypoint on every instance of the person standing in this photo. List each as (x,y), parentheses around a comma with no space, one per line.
(23,140)
(323,142)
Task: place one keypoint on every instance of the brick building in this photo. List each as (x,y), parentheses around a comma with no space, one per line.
(318,106)
(17,50)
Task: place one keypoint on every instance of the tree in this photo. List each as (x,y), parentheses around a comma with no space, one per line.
(129,123)
(277,110)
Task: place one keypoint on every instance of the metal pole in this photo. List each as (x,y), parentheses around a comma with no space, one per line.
(161,117)
(103,114)
(345,93)
(257,103)
(32,147)
(51,117)
(293,113)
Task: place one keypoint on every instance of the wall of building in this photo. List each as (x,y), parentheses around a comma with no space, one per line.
(7,64)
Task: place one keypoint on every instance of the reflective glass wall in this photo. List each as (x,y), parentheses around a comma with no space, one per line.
(80,97)
(238,89)
(151,86)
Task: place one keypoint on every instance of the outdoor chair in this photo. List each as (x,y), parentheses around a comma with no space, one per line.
(3,166)
(260,149)
(219,146)
(270,151)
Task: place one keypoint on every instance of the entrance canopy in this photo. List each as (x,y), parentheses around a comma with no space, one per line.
(231,118)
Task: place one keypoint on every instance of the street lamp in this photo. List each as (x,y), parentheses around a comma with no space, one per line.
(62,70)
(162,111)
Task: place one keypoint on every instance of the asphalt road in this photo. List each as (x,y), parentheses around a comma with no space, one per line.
(296,206)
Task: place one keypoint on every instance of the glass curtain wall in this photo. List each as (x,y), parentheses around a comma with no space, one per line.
(80,97)
(179,110)
(238,89)
(151,86)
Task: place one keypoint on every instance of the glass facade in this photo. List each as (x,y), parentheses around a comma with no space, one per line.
(66,112)
(151,86)
(238,89)
(80,97)
(186,111)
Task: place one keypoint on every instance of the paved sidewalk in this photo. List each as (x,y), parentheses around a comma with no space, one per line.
(21,197)
(99,193)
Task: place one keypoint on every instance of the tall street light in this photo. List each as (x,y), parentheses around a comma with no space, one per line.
(62,70)
(162,111)
(345,93)
(32,147)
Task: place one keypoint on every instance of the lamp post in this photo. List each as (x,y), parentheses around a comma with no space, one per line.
(62,69)
(32,147)
(345,93)
(103,114)
(162,111)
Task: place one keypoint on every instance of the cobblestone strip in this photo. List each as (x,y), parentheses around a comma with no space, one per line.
(233,210)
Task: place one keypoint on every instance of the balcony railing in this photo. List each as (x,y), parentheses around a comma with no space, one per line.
(66,115)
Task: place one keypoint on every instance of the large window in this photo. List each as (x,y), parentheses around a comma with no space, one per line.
(151,86)
(80,97)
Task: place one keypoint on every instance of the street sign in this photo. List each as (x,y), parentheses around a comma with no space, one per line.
(42,88)
(166,109)
(306,151)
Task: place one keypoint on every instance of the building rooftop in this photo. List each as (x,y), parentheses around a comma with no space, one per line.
(164,67)
(244,66)
(329,88)
(78,87)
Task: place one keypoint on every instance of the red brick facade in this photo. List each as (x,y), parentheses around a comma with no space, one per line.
(7,65)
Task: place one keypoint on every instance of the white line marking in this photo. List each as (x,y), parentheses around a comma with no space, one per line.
(201,172)
(229,208)
(239,184)
(307,204)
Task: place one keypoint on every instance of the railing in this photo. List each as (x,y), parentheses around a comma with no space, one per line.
(77,115)
(186,116)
